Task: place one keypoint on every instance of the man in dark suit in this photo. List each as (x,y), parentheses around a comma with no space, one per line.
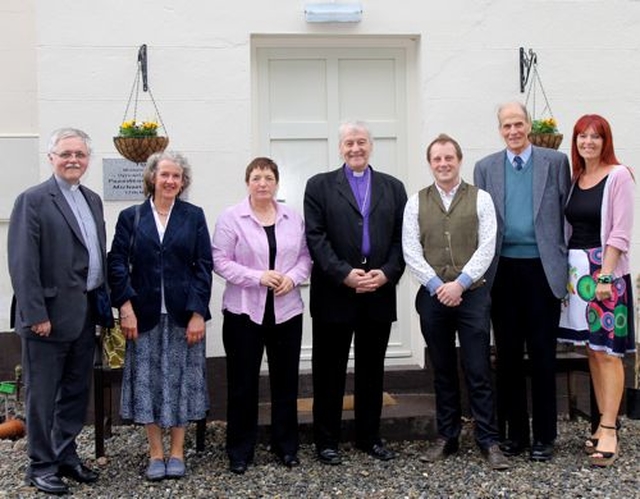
(529,187)
(353,219)
(57,262)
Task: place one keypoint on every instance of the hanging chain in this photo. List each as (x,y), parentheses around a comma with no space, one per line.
(535,82)
(135,90)
(155,106)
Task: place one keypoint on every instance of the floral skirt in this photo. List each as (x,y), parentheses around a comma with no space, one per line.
(602,325)
(164,380)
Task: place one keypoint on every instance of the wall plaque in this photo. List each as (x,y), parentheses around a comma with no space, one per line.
(122,180)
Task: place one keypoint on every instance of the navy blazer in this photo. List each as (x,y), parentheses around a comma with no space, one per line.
(551,181)
(183,261)
(333,225)
(49,262)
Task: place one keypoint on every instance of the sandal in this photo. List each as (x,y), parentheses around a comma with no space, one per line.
(591,443)
(602,458)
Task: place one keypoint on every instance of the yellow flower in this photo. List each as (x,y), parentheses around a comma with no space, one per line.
(149,125)
(132,128)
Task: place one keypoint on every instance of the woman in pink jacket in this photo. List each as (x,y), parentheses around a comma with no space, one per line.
(598,310)
(259,247)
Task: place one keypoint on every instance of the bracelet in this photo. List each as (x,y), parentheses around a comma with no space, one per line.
(605,279)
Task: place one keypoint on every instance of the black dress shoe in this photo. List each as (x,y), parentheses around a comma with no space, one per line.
(50,484)
(78,472)
(290,460)
(329,456)
(238,467)
(541,451)
(380,452)
(512,448)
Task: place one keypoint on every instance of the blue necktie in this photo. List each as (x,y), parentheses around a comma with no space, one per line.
(517,161)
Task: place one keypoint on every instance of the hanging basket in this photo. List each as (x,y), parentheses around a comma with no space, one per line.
(550,140)
(139,140)
(138,149)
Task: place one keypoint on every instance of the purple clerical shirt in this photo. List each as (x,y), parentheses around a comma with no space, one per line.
(360,183)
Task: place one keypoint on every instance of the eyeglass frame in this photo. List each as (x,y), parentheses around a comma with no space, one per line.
(71,154)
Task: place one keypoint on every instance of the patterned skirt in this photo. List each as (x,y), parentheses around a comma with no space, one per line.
(602,325)
(164,379)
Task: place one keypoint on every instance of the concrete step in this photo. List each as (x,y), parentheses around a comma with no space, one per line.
(405,416)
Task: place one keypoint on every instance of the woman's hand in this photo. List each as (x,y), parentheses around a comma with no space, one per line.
(195,329)
(286,285)
(128,321)
(271,279)
(603,291)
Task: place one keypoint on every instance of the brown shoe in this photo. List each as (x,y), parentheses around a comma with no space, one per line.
(439,449)
(496,458)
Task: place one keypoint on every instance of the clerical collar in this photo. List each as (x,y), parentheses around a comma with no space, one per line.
(356,174)
(63,184)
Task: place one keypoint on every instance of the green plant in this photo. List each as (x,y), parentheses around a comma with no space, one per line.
(132,128)
(547,125)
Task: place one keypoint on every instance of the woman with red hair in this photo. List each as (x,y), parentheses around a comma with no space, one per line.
(598,310)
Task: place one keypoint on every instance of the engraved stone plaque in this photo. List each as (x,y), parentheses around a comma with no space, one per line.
(122,180)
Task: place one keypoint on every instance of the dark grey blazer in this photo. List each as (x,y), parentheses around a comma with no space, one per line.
(49,262)
(333,225)
(551,181)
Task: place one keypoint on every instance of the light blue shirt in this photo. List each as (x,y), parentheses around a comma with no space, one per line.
(82,212)
(525,155)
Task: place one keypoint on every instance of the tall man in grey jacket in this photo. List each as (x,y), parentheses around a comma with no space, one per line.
(57,262)
(529,187)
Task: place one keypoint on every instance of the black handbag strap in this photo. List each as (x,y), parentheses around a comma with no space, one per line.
(132,238)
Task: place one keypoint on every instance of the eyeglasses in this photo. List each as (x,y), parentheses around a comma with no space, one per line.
(69,155)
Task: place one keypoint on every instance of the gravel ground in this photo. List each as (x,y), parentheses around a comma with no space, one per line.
(463,475)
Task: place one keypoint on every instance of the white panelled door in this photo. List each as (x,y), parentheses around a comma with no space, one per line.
(303,94)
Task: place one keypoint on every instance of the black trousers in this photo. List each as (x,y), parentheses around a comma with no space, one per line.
(439,325)
(525,313)
(331,344)
(244,343)
(57,378)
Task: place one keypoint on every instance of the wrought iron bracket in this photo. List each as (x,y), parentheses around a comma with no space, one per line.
(527,62)
(142,62)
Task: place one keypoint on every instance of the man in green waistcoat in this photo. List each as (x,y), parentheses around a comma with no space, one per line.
(448,240)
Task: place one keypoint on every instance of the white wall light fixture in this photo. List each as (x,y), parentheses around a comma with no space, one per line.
(333,12)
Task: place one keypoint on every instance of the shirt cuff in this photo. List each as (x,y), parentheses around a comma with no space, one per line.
(433,284)
(465,281)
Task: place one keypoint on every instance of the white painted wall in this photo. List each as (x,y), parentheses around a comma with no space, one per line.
(18,121)
(200,61)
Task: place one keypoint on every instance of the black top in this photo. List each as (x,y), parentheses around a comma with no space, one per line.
(269,318)
(583,212)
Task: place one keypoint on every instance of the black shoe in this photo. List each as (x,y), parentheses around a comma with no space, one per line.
(290,460)
(380,452)
(440,449)
(541,451)
(50,484)
(329,456)
(238,467)
(78,472)
(512,448)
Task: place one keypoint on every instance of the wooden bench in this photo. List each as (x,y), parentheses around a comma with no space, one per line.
(104,378)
